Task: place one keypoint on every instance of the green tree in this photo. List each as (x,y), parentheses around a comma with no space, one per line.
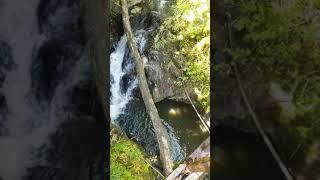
(185,37)
(282,39)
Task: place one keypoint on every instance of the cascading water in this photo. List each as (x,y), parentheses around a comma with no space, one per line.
(120,67)
(43,71)
(118,99)
(20,35)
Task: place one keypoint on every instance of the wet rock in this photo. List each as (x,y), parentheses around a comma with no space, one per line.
(66,12)
(51,64)
(3,113)
(284,101)
(6,65)
(60,21)
(75,152)
(137,9)
(161,81)
(6,61)
(81,97)
(96,35)
(76,149)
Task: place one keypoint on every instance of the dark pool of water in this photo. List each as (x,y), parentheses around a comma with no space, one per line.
(185,122)
(242,156)
(185,130)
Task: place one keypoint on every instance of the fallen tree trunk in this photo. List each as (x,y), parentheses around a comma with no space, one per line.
(161,134)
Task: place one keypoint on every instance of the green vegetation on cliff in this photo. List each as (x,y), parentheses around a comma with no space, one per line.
(185,37)
(281,39)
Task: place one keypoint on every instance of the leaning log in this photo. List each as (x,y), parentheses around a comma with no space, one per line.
(161,134)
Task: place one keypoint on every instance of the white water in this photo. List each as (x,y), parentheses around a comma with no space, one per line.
(119,100)
(27,128)
(18,27)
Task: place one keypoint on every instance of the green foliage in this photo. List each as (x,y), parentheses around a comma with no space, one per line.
(282,39)
(127,162)
(276,36)
(185,37)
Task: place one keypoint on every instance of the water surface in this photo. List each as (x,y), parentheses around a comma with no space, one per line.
(242,156)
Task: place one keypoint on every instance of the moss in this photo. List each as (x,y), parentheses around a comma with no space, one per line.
(128,162)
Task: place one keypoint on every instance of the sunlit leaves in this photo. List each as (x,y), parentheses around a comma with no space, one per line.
(185,37)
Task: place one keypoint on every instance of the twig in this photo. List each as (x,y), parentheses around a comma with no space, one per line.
(154,168)
(195,109)
(305,87)
(302,143)
(295,151)
(298,81)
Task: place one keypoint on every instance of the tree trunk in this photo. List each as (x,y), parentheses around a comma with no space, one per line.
(161,134)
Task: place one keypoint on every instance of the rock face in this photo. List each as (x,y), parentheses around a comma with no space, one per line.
(284,101)
(6,65)
(161,81)
(97,36)
(74,153)
(6,60)
(137,9)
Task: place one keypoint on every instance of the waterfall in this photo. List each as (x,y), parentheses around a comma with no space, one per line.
(120,66)
(131,114)
(20,34)
(29,120)
(22,37)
